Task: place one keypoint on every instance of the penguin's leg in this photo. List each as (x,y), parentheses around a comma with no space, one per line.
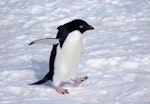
(60,90)
(79,80)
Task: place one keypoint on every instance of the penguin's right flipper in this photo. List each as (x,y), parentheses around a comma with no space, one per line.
(39,82)
(49,41)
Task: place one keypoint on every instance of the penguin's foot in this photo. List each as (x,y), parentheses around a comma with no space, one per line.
(80,80)
(61,90)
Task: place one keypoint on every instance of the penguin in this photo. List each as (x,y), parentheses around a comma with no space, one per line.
(65,55)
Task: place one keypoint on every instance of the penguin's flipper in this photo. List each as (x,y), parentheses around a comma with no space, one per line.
(49,41)
(39,82)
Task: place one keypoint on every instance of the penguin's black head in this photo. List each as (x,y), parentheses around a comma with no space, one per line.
(76,24)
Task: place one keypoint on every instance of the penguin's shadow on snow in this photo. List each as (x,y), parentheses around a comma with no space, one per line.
(40,69)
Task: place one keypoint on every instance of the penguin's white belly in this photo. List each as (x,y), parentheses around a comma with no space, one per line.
(67,58)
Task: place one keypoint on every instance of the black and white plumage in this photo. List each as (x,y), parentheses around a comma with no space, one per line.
(65,54)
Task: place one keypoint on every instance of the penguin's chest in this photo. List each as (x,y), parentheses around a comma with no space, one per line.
(68,57)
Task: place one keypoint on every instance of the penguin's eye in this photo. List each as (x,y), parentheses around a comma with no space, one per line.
(81,26)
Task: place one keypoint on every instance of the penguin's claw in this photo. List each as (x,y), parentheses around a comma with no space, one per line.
(61,90)
(80,80)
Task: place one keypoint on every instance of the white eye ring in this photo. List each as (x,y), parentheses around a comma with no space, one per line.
(81,26)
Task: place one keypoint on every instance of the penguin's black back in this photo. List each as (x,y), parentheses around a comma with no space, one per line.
(62,35)
(51,63)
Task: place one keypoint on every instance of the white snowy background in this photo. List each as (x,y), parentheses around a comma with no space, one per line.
(115,57)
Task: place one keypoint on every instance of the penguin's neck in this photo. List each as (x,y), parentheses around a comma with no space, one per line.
(73,43)
(74,37)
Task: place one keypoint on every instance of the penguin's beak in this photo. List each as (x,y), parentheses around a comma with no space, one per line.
(91,28)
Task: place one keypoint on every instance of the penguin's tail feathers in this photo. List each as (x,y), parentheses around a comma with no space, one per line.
(40,81)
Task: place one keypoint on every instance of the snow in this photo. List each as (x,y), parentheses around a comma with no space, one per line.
(115,57)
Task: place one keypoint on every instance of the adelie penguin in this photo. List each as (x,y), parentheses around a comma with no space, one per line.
(65,54)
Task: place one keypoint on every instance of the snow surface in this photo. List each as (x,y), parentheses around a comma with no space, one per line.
(116,55)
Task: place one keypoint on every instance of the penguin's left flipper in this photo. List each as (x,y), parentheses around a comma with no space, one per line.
(49,41)
(80,80)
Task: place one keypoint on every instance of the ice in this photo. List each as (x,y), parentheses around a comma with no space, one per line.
(115,57)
